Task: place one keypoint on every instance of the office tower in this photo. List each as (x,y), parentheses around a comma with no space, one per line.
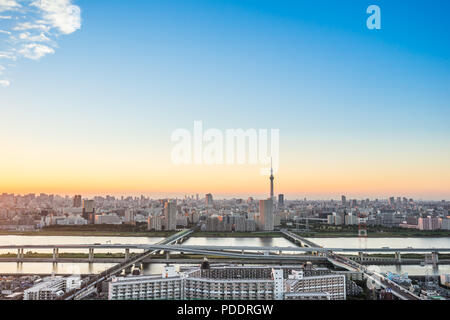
(266,219)
(339,218)
(89,211)
(129,216)
(154,223)
(281,200)
(77,201)
(344,200)
(170,215)
(209,199)
(392,201)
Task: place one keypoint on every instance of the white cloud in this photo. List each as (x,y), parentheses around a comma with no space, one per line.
(8,5)
(26,36)
(61,14)
(30,26)
(35,51)
(31,23)
(4,83)
(7,55)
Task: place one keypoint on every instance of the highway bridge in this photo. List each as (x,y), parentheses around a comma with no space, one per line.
(350,265)
(242,252)
(223,257)
(163,246)
(309,251)
(90,286)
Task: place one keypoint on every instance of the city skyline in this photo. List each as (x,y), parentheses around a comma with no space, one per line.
(208,196)
(360,112)
(202,196)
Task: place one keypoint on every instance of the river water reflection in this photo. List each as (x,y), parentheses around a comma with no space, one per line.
(84,268)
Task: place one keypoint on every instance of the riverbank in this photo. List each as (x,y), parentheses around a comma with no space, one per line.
(153,234)
(379,234)
(236,235)
(150,234)
(164,234)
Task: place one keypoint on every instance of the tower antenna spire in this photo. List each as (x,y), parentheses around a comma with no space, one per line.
(271,166)
(271,179)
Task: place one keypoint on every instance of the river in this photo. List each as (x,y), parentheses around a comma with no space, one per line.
(84,268)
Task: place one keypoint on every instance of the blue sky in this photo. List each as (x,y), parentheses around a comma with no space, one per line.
(137,70)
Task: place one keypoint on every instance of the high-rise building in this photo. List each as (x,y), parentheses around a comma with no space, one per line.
(339,218)
(129,216)
(392,201)
(89,210)
(351,219)
(344,200)
(170,215)
(429,223)
(445,224)
(266,219)
(209,199)
(77,201)
(154,223)
(281,200)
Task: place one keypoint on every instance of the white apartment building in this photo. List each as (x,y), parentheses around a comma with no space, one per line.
(429,223)
(155,223)
(107,219)
(445,225)
(229,283)
(51,288)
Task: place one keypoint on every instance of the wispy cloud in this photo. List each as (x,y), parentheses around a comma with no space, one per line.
(8,5)
(29,28)
(4,83)
(35,51)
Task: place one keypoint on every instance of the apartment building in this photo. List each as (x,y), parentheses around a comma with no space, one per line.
(51,287)
(230,283)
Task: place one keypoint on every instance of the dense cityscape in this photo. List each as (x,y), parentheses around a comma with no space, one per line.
(35,212)
(224,158)
(286,277)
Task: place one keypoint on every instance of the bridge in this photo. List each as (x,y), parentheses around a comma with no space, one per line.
(89,286)
(297,239)
(163,246)
(308,251)
(224,257)
(243,252)
(375,277)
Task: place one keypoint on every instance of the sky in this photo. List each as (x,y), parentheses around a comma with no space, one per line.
(92,90)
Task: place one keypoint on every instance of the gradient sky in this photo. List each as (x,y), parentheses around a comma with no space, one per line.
(361,112)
